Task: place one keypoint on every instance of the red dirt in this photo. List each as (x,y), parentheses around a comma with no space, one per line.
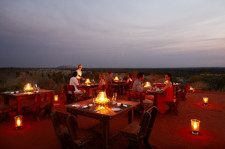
(169,131)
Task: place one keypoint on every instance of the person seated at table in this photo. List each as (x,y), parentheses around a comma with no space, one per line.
(137,86)
(75,83)
(79,73)
(102,82)
(168,97)
(129,80)
(109,80)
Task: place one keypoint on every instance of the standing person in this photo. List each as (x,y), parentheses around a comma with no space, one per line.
(79,73)
(75,83)
(162,99)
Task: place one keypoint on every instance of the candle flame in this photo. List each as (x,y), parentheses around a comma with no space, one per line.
(116,79)
(28,87)
(101,98)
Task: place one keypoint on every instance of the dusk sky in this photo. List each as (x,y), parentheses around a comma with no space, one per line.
(112,33)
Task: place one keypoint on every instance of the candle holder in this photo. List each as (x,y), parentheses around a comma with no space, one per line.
(205,101)
(195,124)
(18,122)
(56,98)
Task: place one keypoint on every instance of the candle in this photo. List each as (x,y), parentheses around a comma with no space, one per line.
(205,101)
(147,84)
(18,122)
(56,98)
(195,124)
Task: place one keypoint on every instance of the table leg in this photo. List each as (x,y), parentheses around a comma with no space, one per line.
(155,99)
(19,106)
(130,116)
(105,134)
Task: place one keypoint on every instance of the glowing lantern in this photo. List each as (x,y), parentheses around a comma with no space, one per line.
(147,84)
(165,82)
(195,124)
(56,98)
(87,82)
(102,99)
(116,79)
(28,88)
(205,101)
(191,89)
(18,121)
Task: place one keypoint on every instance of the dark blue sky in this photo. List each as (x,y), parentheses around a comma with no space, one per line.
(112,33)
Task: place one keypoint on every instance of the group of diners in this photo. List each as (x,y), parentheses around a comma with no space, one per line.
(106,82)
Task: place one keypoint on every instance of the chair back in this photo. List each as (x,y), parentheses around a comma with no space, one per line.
(69,91)
(186,87)
(73,126)
(144,124)
(153,110)
(59,120)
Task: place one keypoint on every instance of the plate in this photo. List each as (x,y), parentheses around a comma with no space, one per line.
(116,109)
(84,107)
(75,106)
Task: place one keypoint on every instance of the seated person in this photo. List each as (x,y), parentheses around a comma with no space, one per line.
(129,80)
(137,86)
(101,85)
(102,82)
(162,99)
(109,80)
(75,83)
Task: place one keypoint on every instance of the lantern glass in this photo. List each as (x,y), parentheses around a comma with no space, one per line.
(205,101)
(195,124)
(56,98)
(18,121)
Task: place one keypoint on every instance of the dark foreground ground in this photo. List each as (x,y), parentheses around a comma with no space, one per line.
(169,131)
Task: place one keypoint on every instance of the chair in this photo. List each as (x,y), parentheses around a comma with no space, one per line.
(67,132)
(185,90)
(174,104)
(70,95)
(140,132)
(109,89)
(137,96)
(5,110)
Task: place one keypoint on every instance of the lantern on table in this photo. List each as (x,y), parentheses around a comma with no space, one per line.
(166,82)
(195,124)
(116,79)
(191,89)
(56,98)
(87,82)
(205,101)
(28,88)
(18,121)
(102,99)
(147,84)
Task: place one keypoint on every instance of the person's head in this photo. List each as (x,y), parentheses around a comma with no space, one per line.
(140,76)
(110,73)
(128,75)
(168,77)
(74,74)
(80,66)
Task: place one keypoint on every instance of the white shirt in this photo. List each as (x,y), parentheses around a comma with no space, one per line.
(129,80)
(75,83)
(79,73)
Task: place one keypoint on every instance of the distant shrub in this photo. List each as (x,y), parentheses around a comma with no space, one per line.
(200,85)
(195,78)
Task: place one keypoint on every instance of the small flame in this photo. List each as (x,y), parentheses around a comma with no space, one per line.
(101,98)
(28,87)
(205,100)
(165,82)
(116,79)
(147,84)
(195,124)
(56,98)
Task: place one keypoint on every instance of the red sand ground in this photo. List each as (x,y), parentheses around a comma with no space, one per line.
(169,131)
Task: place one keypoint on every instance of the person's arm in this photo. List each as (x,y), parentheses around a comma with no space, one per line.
(139,88)
(167,85)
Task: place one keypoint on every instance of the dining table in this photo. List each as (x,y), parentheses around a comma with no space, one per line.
(103,113)
(20,96)
(87,88)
